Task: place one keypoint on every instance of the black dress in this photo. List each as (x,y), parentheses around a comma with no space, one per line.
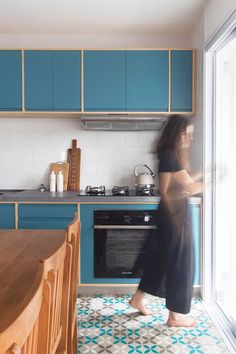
(169,272)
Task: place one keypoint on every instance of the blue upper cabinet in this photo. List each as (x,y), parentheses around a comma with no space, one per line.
(52,80)
(10,80)
(181,80)
(147,80)
(66,80)
(104,80)
(38,80)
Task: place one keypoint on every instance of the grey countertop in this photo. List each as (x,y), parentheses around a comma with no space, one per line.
(77,197)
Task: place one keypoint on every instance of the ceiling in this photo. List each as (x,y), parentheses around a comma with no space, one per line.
(99,16)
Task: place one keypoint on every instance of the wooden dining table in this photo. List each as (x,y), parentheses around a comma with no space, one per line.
(21,254)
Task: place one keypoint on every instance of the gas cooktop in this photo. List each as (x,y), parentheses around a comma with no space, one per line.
(140,190)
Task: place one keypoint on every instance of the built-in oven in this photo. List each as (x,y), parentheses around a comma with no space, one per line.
(123,240)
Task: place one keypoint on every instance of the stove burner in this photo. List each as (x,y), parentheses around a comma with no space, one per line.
(89,190)
(145,189)
(116,190)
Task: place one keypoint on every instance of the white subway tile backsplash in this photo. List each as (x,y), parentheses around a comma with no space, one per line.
(25,154)
(84,181)
(29,145)
(103,139)
(9,124)
(25,125)
(117,139)
(88,167)
(10,182)
(105,168)
(87,139)
(122,153)
(131,139)
(149,138)
(11,155)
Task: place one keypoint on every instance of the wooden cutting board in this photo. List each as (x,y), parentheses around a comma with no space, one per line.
(73,158)
(64,168)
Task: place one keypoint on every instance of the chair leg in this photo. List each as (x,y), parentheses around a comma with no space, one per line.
(75,340)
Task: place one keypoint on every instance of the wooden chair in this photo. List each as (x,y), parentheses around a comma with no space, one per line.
(73,239)
(68,343)
(50,318)
(22,336)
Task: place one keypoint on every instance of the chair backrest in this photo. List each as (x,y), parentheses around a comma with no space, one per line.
(22,336)
(50,319)
(73,238)
(69,336)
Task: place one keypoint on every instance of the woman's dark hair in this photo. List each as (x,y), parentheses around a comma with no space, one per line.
(170,136)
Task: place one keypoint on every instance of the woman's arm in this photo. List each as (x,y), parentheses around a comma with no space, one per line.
(186,185)
(189,185)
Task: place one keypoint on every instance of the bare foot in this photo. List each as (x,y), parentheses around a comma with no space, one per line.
(181,321)
(139,305)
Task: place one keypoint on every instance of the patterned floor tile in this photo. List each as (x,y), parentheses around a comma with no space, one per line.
(107,324)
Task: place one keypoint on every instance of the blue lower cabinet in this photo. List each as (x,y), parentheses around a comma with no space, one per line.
(7,216)
(196,227)
(87,241)
(45,216)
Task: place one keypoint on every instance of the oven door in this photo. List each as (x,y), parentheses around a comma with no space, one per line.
(121,251)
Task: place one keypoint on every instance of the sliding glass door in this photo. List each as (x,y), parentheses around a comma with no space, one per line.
(224,212)
(220,202)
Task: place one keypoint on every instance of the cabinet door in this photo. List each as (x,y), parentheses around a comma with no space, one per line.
(45,216)
(52,80)
(147,80)
(7,216)
(38,80)
(66,80)
(10,80)
(181,80)
(196,227)
(104,80)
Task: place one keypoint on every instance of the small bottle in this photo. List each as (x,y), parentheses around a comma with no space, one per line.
(60,182)
(52,182)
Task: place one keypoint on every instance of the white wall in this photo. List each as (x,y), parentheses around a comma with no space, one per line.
(28,145)
(216,12)
(197,145)
(94,41)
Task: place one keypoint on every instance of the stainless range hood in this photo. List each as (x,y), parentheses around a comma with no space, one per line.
(122,122)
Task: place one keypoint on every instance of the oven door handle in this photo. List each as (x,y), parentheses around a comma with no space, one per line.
(126,227)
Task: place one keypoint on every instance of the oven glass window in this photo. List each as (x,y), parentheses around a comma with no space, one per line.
(122,253)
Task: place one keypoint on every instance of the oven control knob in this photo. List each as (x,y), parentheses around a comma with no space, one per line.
(147,218)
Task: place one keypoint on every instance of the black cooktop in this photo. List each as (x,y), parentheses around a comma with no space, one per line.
(108,193)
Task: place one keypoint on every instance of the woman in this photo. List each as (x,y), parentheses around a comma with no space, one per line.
(170,271)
